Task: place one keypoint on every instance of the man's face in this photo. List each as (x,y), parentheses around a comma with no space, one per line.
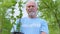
(31,9)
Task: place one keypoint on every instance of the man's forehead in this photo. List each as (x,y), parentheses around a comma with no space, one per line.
(30,3)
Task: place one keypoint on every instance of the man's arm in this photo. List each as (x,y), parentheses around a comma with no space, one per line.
(43,32)
(44,27)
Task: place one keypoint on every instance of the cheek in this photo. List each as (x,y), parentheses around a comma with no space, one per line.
(35,9)
(27,9)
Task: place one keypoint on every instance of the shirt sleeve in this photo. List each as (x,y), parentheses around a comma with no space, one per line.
(44,27)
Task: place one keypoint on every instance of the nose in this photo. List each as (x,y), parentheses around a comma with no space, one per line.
(31,7)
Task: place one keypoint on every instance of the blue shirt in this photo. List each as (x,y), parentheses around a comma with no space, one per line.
(33,25)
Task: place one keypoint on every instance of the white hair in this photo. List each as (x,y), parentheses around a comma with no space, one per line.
(32,1)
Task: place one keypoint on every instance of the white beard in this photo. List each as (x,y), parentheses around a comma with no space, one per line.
(32,13)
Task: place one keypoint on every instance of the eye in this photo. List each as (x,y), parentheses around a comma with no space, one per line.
(28,6)
(32,6)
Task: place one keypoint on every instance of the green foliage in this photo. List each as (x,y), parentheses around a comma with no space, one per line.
(50,12)
(7,3)
(20,15)
(6,25)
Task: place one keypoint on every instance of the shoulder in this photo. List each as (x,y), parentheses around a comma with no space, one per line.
(42,20)
(20,19)
(24,18)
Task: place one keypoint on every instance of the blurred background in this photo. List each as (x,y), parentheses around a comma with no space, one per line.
(10,10)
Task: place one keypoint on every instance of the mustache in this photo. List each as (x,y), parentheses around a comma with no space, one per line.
(32,13)
(31,10)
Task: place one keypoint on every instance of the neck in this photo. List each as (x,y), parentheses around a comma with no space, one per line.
(32,16)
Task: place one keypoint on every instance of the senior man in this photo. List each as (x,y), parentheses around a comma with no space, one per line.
(32,24)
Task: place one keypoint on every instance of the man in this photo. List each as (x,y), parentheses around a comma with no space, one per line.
(32,24)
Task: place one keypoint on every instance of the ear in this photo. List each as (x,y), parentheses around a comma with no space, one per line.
(37,8)
(26,8)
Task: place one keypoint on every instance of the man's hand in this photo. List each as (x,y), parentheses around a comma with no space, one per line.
(43,32)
